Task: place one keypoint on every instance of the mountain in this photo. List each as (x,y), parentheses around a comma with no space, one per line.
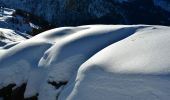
(78,12)
(78,61)
(88,62)
(22,21)
(8,36)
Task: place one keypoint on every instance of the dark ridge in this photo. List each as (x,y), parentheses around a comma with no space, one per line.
(6,92)
(18,93)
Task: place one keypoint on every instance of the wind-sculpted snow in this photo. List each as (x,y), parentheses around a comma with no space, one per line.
(76,48)
(49,60)
(135,68)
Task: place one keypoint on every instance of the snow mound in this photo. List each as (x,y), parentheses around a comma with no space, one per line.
(135,68)
(74,49)
(49,60)
(71,50)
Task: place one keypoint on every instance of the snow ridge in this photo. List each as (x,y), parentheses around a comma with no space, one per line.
(98,62)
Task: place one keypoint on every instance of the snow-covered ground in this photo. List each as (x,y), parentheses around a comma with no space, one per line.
(123,62)
(136,68)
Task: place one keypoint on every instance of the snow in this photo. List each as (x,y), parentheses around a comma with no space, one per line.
(34,26)
(64,58)
(11,20)
(35,79)
(16,73)
(135,68)
(76,48)
(29,51)
(10,36)
(5,13)
(97,61)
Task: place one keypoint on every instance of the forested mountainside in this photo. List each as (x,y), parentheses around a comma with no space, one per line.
(78,12)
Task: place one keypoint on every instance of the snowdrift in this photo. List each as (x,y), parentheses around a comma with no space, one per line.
(98,62)
(135,68)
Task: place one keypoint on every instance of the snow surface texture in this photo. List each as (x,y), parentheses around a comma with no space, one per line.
(134,58)
(136,68)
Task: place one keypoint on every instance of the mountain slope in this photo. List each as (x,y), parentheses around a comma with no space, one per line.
(22,21)
(9,36)
(78,12)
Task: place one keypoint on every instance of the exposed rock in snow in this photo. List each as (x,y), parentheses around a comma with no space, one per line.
(9,19)
(22,21)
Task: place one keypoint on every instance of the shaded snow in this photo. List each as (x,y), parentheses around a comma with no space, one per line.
(135,68)
(133,54)
(76,48)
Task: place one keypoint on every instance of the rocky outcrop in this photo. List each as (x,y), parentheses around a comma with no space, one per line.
(8,93)
(11,92)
